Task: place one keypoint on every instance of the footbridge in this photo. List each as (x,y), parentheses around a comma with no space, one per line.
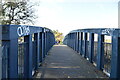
(31,52)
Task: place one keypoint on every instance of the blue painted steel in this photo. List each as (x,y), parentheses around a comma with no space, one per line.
(43,45)
(13,61)
(30,56)
(91,45)
(78,42)
(85,44)
(81,42)
(4,58)
(100,53)
(34,55)
(33,51)
(115,63)
(40,56)
(101,32)
(38,50)
(26,57)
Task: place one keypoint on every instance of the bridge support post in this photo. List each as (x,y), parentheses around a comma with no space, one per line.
(81,38)
(4,59)
(74,40)
(91,44)
(30,56)
(28,59)
(0,59)
(85,44)
(13,59)
(38,49)
(47,38)
(40,43)
(78,42)
(9,56)
(43,44)
(69,41)
(100,52)
(115,64)
(37,38)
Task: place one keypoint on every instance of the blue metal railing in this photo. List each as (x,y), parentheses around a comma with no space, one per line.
(91,44)
(23,49)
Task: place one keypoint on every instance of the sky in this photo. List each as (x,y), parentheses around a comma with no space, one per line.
(67,15)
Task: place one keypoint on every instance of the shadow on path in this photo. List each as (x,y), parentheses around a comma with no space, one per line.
(63,62)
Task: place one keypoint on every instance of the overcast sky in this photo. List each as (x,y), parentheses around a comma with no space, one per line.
(67,15)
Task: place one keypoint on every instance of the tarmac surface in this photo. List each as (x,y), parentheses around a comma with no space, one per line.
(63,62)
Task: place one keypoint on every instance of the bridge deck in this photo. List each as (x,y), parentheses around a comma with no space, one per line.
(63,62)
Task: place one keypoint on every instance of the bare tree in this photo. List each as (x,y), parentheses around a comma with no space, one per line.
(18,13)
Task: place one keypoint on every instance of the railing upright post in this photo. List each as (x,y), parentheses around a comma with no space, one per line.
(100,52)
(35,50)
(47,39)
(28,57)
(0,51)
(4,59)
(85,44)
(78,42)
(74,41)
(91,46)
(81,38)
(70,41)
(115,64)
(0,58)
(37,37)
(13,59)
(43,44)
(40,42)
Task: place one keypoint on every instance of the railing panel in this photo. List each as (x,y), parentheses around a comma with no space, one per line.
(95,53)
(95,49)
(34,56)
(87,46)
(107,54)
(104,55)
(5,61)
(82,50)
(23,52)
(88,49)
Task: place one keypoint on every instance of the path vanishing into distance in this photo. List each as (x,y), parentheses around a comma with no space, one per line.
(63,62)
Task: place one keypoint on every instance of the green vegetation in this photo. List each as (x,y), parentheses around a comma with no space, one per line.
(58,36)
